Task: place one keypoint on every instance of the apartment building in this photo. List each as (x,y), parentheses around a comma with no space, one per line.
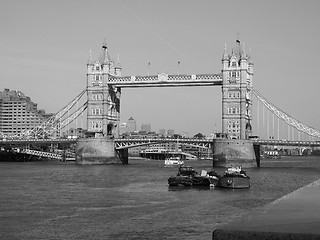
(18,113)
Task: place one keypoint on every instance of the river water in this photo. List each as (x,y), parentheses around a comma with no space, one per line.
(56,200)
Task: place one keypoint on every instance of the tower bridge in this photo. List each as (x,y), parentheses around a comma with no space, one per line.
(104,83)
(102,108)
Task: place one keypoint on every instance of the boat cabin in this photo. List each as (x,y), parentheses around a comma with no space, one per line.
(186,171)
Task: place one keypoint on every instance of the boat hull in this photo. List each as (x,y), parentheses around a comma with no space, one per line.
(173,162)
(234,182)
(193,181)
(180,180)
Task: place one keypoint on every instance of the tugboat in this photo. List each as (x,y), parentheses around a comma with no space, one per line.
(187,176)
(234,178)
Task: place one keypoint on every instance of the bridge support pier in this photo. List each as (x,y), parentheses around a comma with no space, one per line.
(96,151)
(227,152)
(123,155)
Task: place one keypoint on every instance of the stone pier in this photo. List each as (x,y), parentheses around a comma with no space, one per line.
(96,151)
(227,152)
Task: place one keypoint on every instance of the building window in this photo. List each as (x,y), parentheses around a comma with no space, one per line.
(96,97)
(97,68)
(96,125)
(96,111)
(233,110)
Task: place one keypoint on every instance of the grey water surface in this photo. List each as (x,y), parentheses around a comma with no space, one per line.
(56,200)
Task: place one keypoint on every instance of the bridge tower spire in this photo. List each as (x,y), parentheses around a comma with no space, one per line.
(237,75)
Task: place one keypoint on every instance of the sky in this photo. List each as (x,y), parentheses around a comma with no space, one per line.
(45,47)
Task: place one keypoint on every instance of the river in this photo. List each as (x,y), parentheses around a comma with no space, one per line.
(58,200)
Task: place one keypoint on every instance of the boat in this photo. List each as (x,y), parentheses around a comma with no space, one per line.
(273,154)
(188,176)
(171,161)
(234,177)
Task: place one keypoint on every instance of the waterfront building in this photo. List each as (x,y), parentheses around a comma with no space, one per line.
(170,132)
(18,113)
(185,134)
(146,127)
(74,133)
(131,125)
(122,129)
(162,133)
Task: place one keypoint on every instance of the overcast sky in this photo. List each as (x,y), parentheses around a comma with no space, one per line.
(45,46)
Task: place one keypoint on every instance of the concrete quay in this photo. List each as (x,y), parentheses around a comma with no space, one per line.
(294,216)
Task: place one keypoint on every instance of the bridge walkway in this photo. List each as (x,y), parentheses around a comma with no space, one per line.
(294,216)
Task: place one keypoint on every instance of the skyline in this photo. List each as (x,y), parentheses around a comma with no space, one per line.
(45,47)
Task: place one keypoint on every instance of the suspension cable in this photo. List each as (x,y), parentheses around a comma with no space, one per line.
(287,118)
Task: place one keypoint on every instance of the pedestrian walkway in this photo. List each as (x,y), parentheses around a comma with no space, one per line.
(294,216)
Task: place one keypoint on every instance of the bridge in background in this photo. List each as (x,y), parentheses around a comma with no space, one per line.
(102,106)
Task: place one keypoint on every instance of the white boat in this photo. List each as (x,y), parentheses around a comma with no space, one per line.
(173,161)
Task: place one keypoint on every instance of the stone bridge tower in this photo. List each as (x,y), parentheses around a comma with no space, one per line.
(103,113)
(237,76)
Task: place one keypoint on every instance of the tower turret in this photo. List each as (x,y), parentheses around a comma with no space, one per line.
(117,67)
(89,63)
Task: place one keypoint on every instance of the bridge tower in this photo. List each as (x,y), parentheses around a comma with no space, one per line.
(103,114)
(237,76)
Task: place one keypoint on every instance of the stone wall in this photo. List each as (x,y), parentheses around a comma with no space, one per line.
(227,152)
(96,151)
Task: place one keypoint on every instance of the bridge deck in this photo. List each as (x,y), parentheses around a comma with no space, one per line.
(165,80)
(125,143)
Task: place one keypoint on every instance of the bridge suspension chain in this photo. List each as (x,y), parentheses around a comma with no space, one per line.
(64,110)
(65,122)
(287,118)
(57,121)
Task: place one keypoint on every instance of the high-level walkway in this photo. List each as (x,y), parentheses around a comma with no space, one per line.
(294,216)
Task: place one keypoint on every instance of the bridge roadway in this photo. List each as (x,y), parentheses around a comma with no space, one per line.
(122,143)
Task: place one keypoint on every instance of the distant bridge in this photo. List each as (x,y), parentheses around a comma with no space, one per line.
(124,143)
